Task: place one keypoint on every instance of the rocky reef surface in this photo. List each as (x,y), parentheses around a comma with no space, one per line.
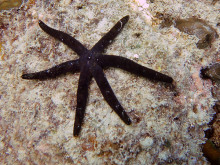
(168,124)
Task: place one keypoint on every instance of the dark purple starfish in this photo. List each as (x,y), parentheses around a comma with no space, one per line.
(91,64)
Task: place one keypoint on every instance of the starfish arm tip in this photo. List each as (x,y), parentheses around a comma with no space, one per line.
(126,17)
(77,128)
(26,76)
(41,23)
(128,122)
(76,133)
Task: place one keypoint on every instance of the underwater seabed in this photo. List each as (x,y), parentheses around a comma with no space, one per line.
(170,125)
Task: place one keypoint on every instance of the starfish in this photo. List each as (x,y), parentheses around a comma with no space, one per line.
(91,64)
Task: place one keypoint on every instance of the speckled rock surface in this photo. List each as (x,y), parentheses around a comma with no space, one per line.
(36,117)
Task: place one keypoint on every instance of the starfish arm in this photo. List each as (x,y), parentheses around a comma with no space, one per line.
(70,66)
(82,95)
(108,94)
(74,44)
(109,37)
(132,67)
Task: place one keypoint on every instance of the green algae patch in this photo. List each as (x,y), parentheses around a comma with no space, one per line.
(8,4)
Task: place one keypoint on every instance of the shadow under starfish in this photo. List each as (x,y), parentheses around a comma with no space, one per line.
(91,64)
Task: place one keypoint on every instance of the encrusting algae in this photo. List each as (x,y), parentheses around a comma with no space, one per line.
(192,26)
(211,153)
(8,4)
(199,28)
(212,72)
